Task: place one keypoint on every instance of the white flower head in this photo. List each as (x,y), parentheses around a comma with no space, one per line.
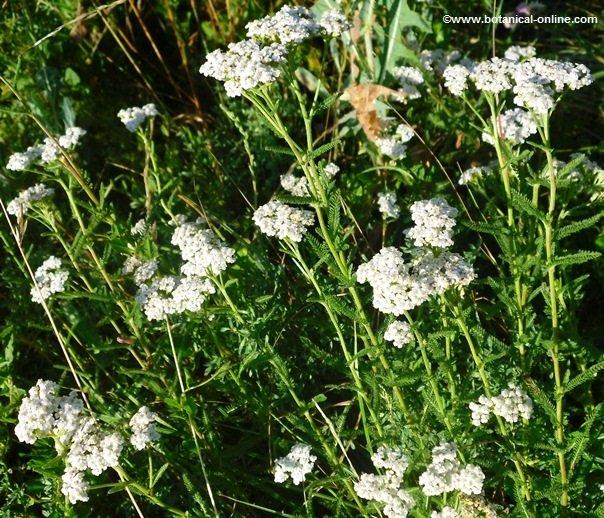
(388,205)
(385,489)
(295,465)
(49,278)
(434,221)
(202,252)
(456,79)
(334,23)
(518,52)
(22,203)
(512,404)
(295,185)
(409,79)
(141,270)
(170,295)
(74,487)
(49,150)
(474,173)
(139,228)
(282,221)
(392,147)
(445,473)
(144,431)
(20,161)
(133,117)
(245,65)
(399,333)
(331,169)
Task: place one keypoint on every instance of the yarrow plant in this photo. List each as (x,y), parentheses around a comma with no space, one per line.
(381,301)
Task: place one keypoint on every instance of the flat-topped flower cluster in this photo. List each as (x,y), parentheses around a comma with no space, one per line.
(512,404)
(399,286)
(46,152)
(203,257)
(535,82)
(257,60)
(78,436)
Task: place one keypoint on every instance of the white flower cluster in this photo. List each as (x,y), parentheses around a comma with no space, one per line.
(334,23)
(255,61)
(445,473)
(445,512)
(438,60)
(203,255)
(49,279)
(388,205)
(394,146)
(245,65)
(473,173)
(511,404)
(139,228)
(399,287)
(21,204)
(47,151)
(143,428)
(518,53)
(296,24)
(19,161)
(133,117)
(534,81)
(399,333)
(295,465)
(385,489)
(515,125)
(456,78)
(43,413)
(434,221)
(170,295)
(409,79)
(277,219)
(295,185)
(331,170)
(141,270)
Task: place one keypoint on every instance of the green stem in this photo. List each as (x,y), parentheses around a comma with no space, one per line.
(489,393)
(553,302)
(309,274)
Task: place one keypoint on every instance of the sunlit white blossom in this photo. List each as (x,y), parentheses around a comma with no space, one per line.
(399,333)
(388,205)
(386,489)
(49,278)
(434,221)
(202,252)
(21,204)
(20,161)
(409,79)
(245,65)
(473,173)
(445,473)
(295,185)
(282,221)
(334,23)
(133,117)
(144,431)
(295,465)
(518,52)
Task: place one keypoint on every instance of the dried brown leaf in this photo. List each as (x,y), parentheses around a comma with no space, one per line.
(363,97)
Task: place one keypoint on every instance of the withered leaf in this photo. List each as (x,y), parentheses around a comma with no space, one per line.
(363,97)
